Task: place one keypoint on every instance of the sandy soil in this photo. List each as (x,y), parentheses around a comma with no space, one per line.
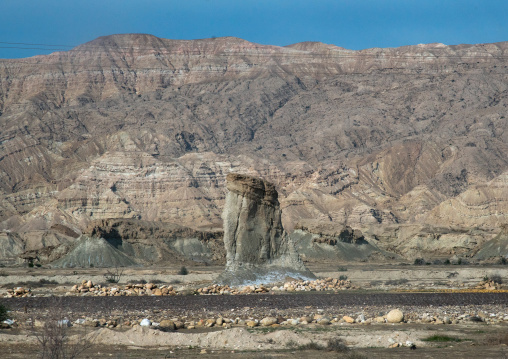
(365,341)
(473,339)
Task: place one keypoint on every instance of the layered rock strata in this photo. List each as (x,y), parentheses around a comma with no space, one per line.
(257,247)
(412,140)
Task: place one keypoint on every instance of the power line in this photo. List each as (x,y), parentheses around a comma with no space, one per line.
(32,48)
(164,49)
(379,56)
(119,65)
(251,45)
(26,43)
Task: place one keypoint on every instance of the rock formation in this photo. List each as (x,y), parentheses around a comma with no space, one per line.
(257,247)
(159,242)
(496,248)
(335,243)
(93,252)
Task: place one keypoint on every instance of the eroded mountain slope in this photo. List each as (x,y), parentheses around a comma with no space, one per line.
(133,126)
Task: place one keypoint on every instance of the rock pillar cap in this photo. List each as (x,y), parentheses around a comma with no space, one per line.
(252,187)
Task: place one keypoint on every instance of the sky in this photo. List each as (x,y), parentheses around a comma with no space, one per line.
(353,24)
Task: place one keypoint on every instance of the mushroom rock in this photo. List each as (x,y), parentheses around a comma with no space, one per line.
(257,247)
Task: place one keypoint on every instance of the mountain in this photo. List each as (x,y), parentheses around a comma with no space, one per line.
(406,144)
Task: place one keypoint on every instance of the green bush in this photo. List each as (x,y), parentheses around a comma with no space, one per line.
(419,261)
(183,271)
(496,278)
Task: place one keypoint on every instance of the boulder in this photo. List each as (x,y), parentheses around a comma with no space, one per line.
(210,322)
(395,316)
(323,321)
(145,323)
(266,322)
(348,319)
(167,324)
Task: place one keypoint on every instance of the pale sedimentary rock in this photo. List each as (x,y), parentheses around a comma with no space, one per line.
(257,247)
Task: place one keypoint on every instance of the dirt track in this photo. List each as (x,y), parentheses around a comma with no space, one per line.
(278,301)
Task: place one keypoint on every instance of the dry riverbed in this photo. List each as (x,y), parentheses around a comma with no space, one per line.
(273,324)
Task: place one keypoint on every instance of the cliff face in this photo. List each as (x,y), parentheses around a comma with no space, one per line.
(256,244)
(133,126)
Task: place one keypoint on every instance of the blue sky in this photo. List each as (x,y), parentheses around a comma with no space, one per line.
(353,24)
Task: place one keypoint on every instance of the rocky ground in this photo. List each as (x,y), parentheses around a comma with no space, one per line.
(368,322)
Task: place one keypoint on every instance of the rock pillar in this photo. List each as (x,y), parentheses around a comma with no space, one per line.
(258,249)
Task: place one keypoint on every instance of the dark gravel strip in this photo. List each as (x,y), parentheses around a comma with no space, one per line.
(277,301)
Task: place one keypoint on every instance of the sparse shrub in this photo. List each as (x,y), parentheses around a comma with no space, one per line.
(311,346)
(47,281)
(355,355)
(113,276)
(498,339)
(447,262)
(291,344)
(183,271)
(496,278)
(53,336)
(342,269)
(459,262)
(31,264)
(441,338)
(336,345)
(503,261)
(452,275)
(4,313)
(155,281)
(396,281)
(343,277)
(419,261)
